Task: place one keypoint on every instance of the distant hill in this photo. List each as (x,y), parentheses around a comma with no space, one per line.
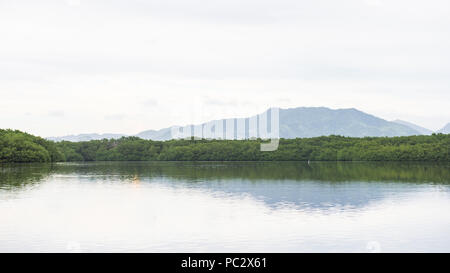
(322,121)
(161,135)
(86,137)
(422,130)
(445,130)
(302,122)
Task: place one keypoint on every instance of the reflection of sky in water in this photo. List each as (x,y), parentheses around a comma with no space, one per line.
(313,194)
(89,213)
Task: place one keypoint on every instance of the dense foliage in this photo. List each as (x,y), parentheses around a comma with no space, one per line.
(16,146)
(20,147)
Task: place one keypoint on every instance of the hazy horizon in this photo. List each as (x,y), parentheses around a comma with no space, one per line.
(75,66)
(224,118)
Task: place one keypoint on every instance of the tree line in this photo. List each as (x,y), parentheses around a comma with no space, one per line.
(16,146)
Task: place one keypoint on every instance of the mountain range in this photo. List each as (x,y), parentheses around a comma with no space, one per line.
(303,122)
(445,130)
(422,130)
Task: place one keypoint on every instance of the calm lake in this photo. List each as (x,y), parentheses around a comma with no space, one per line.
(225,207)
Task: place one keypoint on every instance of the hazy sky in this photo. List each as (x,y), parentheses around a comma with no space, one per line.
(69,67)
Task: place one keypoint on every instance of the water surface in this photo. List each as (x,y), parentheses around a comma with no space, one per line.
(225,207)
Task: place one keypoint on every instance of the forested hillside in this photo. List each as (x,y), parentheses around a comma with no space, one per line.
(16,146)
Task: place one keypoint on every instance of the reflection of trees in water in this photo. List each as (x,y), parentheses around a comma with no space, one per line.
(297,171)
(317,184)
(14,176)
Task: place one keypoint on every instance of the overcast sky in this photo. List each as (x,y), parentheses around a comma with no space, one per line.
(69,67)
